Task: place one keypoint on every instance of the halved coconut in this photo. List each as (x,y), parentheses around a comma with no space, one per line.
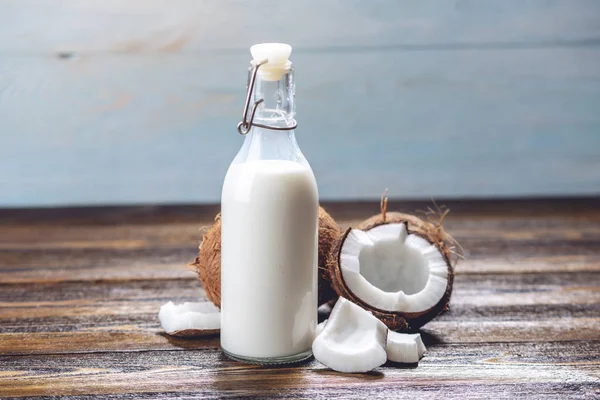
(395,267)
(352,340)
(190,319)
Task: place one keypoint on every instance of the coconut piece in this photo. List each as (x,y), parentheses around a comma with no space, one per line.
(397,267)
(190,319)
(208,263)
(404,347)
(353,340)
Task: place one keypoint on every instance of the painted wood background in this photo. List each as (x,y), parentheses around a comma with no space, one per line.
(136,101)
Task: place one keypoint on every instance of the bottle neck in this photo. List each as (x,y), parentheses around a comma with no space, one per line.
(278,106)
(277,110)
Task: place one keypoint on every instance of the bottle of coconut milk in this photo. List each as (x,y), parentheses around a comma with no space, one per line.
(269,214)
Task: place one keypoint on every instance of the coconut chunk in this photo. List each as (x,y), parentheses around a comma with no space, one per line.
(404,347)
(190,319)
(353,340)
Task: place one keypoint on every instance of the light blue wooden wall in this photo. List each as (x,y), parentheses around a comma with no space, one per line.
(136,101)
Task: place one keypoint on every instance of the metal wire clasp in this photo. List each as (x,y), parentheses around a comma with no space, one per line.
(244,126)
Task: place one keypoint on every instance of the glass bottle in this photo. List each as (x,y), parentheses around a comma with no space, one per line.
(269,216)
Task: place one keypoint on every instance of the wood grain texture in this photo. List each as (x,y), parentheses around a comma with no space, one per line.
(80,290)
(466,370)
(121,102)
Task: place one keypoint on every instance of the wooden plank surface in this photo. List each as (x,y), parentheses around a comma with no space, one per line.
(80,291)
(121,102)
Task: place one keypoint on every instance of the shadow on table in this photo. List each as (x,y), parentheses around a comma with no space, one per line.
(256,380)
(430,339)
(202,342)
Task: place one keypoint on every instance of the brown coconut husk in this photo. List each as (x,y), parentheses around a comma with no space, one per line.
(433,232)
(208,263)
(329,232)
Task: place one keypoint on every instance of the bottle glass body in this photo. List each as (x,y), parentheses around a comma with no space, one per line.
(269,217)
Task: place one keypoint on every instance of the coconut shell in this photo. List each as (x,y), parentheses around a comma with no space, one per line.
(401,321)
(329,232)
(208,262)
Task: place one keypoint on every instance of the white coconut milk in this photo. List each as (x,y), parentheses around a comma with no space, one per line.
(269,259)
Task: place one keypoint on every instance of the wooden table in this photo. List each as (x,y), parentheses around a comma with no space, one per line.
(80,290)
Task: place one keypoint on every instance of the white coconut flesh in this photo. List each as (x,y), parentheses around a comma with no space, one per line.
(404,347)
(400,347)
(352,340)
(189,316)
(392,270)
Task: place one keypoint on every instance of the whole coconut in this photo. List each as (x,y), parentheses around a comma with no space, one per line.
(208,262)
